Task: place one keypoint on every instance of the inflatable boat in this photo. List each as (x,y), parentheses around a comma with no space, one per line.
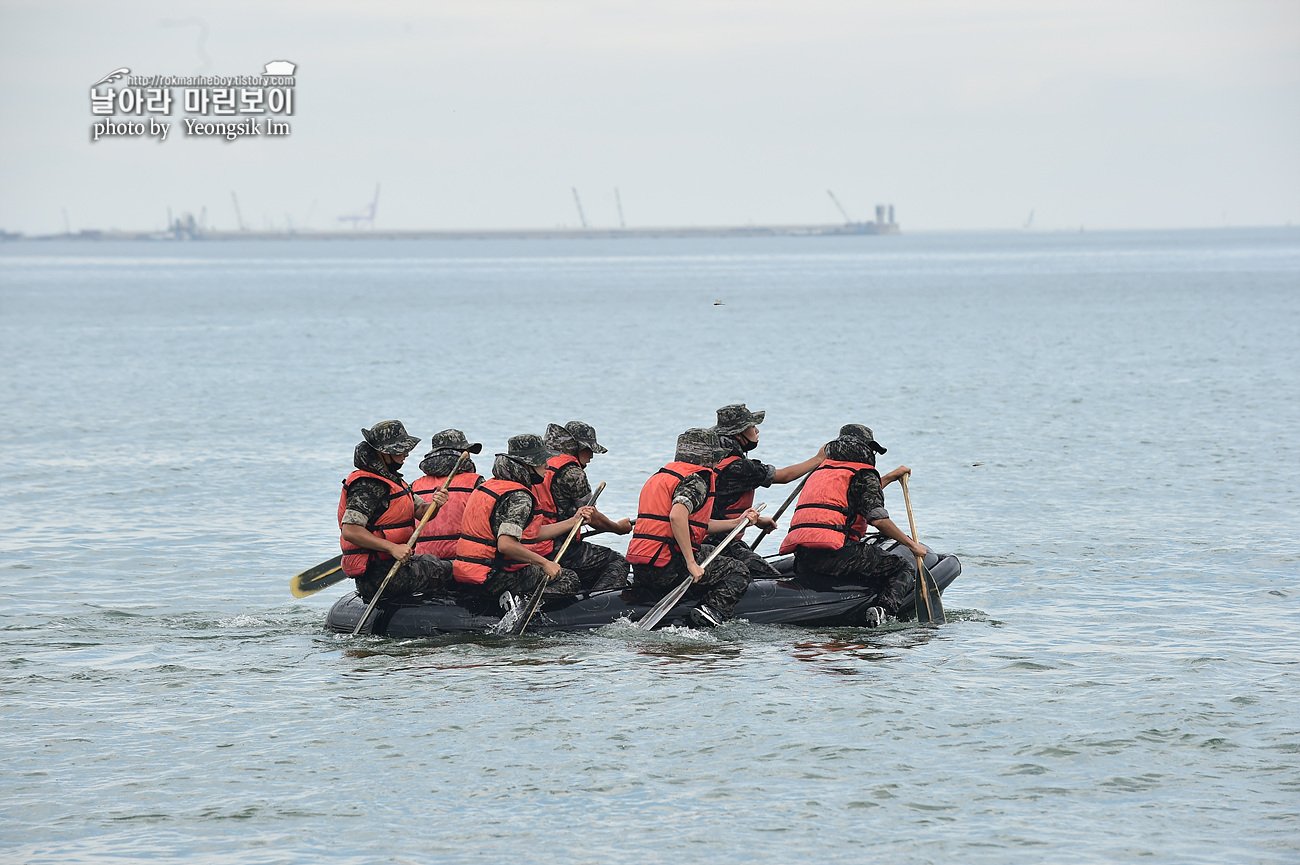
(780,600)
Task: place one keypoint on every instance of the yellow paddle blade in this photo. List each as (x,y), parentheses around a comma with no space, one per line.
(321,576)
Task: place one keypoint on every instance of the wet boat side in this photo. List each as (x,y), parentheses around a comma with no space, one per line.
(767,601)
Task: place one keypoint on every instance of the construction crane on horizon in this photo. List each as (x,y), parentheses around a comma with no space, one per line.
(848,219)
(239,217)
(578,201)
(366,216)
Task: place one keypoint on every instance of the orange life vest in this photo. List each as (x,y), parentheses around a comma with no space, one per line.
(477,554)
(723,511)
(395,524)
(442,531)
(652,542)
(544,513)
(822,519)
(553,466)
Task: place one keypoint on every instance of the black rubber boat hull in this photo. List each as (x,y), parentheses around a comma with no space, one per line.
(778,601)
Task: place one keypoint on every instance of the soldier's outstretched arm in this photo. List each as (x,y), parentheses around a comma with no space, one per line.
(362,537)
(886,480)
(438,497)
(890,529)
(679,522)
(602,523)
(750,516)
(798,470)
(563,527)
(511,548)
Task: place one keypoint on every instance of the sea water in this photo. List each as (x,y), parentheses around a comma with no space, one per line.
(1102,426)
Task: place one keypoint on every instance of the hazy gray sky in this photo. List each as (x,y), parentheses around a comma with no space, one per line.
(483,114)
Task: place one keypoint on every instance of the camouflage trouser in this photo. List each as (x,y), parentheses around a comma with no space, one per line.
(420,575)
(758,566)
(859,564)
(598,568)
(723,583)
(525,580)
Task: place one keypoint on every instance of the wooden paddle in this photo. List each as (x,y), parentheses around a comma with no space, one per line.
(659,610)
(929,607)
(410,544)
(776,516)
(536,600)
(321,576)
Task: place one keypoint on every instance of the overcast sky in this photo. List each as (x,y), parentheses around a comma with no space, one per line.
(964,115)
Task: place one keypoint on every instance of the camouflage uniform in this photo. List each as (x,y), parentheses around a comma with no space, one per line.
(510,516)
(725,579)
(860,563)
(722,586)
(598,568)
(367,498)
(420,575)
(738,478)
(570,489)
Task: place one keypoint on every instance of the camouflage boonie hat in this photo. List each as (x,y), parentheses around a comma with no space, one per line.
(735,419)
(529,450)
(585,434)
(700,447)
(573,437)
(389,437)
(452,440)
(862,434)
(557,438)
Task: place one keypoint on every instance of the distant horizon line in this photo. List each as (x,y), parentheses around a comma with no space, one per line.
(859,229)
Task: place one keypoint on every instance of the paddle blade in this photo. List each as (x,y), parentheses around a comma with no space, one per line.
(534,603)
(322,576)
(929,606)
(659,610)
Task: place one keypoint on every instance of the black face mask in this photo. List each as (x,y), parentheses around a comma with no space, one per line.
(745,444)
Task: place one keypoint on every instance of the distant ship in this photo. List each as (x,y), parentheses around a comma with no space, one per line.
(884,223)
